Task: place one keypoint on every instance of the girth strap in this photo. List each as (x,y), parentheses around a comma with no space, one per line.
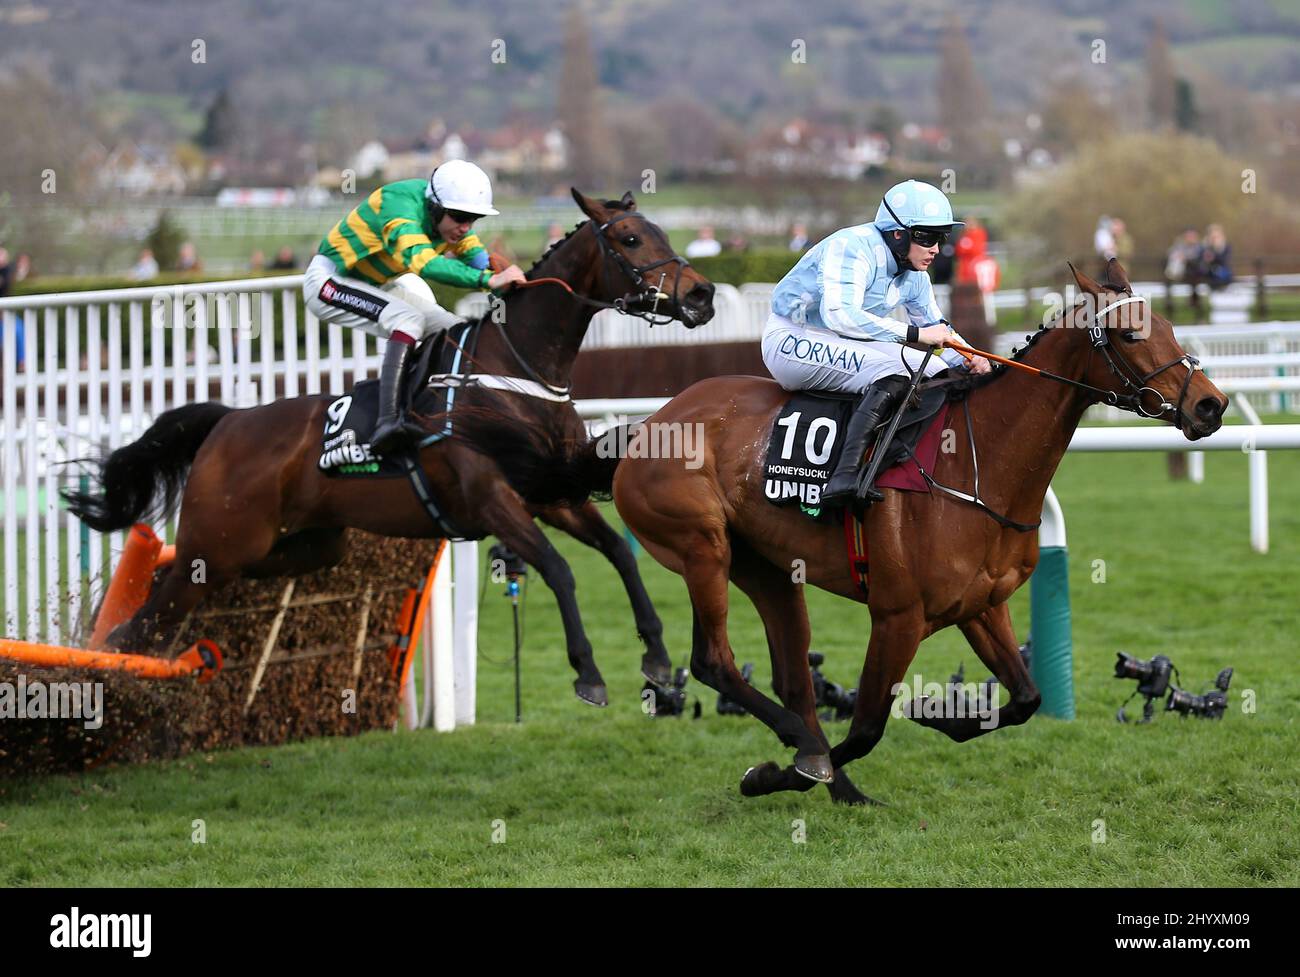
(424,492)
(855,542)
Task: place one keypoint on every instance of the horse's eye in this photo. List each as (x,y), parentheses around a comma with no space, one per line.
(1132,336)
(631,240)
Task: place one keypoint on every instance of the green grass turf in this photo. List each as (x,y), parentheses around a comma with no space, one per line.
(600,797)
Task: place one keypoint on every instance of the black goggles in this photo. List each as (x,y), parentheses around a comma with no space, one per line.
(460,217)
(928,238)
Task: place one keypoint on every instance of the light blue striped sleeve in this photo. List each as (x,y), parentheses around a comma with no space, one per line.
(924,311)
(847,271)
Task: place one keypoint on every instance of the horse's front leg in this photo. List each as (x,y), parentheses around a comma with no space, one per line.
(506,517)
(587,525)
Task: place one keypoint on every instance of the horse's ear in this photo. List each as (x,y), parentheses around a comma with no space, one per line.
(628,202)
(591,208)
(1084,282)
(1117,277)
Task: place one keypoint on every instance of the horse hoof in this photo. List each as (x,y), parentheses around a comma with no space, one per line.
(591,694)
(660,673)
(815,768)
(756,781)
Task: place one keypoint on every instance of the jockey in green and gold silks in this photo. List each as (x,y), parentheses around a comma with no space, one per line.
(373,268)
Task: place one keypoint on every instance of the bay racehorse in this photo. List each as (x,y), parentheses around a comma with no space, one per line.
(936,559)
(254,502)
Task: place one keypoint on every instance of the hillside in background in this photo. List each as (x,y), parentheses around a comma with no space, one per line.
(306,68)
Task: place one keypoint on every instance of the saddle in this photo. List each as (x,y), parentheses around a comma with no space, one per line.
(808,436)
(350,419)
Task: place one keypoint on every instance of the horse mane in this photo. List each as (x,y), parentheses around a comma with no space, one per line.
(556,246)
(611,204)
(972,382)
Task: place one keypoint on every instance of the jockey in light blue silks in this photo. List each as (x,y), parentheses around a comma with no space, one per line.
(830,327)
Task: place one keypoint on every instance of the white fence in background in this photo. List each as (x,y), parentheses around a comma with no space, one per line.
(85,371)
(97,368)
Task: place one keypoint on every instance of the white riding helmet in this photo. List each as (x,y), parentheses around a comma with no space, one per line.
(460,185)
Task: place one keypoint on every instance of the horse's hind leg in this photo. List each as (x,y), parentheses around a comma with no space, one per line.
(780,604)
(305,551)
(587,525)
(706,565)
(994,640)
(207,558)
(182,586)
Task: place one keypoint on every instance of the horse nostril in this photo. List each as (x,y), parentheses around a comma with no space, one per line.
(1209,408)
(700,296)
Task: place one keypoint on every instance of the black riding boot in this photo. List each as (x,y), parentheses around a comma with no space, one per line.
(391,434)
(876,405)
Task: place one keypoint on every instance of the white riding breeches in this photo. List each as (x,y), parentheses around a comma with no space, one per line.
(811,358)
(403,304)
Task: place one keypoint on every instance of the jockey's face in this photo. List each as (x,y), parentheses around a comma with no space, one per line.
(452,230)
(919,257)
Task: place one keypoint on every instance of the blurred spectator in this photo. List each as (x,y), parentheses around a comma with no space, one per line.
(970,248)
(941,268)
(1216,258)
(554,234)
(1183,257)
(187,259)
(285,260)
(1103,241)
(8,278)
(799,237)
(22,267)
(705,244)
(738,243)
(1123,242)
(256,261)
(498,245)
(145,267)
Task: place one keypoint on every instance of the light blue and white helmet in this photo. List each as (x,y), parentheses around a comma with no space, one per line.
(915,204)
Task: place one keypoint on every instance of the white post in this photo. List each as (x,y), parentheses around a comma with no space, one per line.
(410,710)
(437,635)
(1259,501)
(53,597)
(1258,481)
(1052,530)
(465,629)
(9,428)
(1196,466)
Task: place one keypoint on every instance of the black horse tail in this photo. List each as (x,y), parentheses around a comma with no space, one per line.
(545,466)
(593,463)
(142,480)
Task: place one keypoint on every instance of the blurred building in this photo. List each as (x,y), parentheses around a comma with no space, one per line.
(817,149)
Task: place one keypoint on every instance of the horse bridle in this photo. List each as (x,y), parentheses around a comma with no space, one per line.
(652,293)
(1136,383)
(636,274)
(1119,366)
